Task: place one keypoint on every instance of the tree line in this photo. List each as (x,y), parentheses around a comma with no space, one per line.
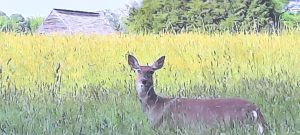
(17,23)
(175,16)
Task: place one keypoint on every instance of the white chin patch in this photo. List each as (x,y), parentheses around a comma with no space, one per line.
(139,88)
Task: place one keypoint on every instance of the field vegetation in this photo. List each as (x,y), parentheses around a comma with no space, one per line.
(83,85)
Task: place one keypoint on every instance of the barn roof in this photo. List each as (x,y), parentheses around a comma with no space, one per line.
(73,21)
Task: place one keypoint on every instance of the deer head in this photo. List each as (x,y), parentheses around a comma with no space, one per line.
(144,80)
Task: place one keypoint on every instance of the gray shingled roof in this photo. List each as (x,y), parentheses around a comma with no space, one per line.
(72,21)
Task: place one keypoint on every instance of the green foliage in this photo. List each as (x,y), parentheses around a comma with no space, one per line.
(7,25)
(34,23)
(17,23)
(291,21)
(288,20)
(17,18)
(197,15)
(279,5)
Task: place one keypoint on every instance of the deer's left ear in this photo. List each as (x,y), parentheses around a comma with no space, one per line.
(159,63)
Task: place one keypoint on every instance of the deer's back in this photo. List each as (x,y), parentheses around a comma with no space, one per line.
(208,111)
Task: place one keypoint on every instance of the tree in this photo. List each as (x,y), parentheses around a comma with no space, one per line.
(284,18)
(201,15)
(17,23)
(115,18)
(33,23)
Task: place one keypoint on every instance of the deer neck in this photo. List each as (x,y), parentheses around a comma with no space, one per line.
(147,97)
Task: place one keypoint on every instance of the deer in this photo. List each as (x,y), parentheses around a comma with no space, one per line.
(189,112)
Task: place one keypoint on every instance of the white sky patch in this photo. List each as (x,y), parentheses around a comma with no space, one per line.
(29,8)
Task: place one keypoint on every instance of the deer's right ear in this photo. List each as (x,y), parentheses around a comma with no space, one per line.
(133,62)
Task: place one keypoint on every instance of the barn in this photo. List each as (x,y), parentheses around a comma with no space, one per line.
(65,21)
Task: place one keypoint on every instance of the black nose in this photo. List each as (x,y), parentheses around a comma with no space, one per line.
(144,82)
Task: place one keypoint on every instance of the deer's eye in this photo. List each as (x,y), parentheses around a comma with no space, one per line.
(139,71)
(151,72)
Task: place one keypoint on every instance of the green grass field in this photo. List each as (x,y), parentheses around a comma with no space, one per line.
(96,94)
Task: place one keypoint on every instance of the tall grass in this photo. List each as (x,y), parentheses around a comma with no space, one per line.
(97,93)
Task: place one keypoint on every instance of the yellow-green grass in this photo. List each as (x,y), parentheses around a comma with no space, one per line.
(98,86)
(189,57)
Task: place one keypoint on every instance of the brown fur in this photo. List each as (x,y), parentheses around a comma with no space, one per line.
(186,112)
